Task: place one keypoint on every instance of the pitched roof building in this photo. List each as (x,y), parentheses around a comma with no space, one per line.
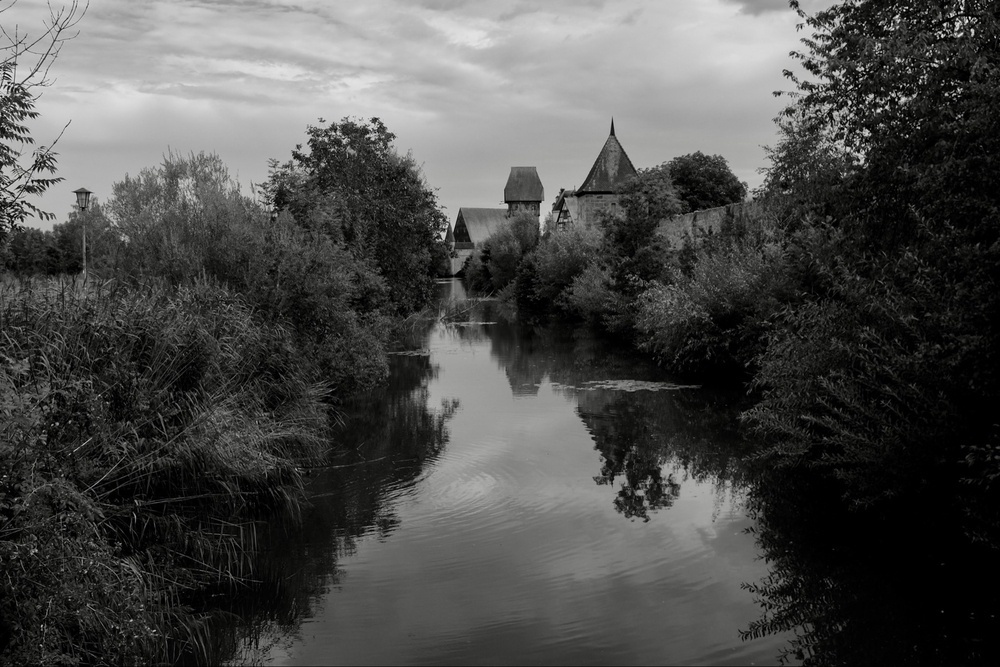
(474,225)
(611,168)
(598,194)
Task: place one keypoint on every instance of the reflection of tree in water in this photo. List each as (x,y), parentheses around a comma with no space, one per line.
(521,354)
(640,433)
(567,356)
(386,438)
(630,449)
(901,587)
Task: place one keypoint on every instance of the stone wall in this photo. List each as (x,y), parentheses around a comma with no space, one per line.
(702,223)
(518,207)
(590,207)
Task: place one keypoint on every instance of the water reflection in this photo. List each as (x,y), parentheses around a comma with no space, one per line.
(491,529)
(467,532)
(903,587)
(649,440)
(387,436)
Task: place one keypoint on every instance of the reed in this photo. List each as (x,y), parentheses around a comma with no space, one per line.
(143,430)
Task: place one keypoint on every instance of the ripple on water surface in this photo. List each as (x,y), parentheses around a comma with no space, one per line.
(507,550)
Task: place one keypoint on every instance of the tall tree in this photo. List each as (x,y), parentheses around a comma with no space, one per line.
(349,181)
(26,172)
(909,89)
(887,378)
(705,181)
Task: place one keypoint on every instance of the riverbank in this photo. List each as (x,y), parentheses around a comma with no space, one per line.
(553,497)
(144,430)
(872,371)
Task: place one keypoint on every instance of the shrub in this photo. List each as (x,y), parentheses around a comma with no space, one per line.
(494,266)
(888,384)
(188,219)
(713,322)
(590,296)
(559,259)
(143,430)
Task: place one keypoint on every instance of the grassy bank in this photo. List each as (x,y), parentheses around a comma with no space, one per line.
(152,418)
(143,430)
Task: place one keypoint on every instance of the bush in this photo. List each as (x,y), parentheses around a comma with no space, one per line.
(889,383)
(142,431)
(494,265)
(558,260)
(188,219)
(590,296)
(714,321)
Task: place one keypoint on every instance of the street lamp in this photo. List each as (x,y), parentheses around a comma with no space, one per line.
(82,201)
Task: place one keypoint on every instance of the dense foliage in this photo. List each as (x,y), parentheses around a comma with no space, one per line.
(494,266)
(705,181)
(31,252)
(860,297)
(150,417)
(142,431)
(881,382)
(890,364)
(188,218)
(348,183)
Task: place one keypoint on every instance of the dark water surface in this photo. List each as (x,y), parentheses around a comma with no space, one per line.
(527,497)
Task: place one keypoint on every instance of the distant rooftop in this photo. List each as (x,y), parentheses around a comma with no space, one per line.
(475,225)
(523,185)
(611,168)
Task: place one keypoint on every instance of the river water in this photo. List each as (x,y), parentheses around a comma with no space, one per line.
(518,496)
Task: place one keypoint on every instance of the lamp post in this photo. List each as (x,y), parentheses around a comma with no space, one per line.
(82,201)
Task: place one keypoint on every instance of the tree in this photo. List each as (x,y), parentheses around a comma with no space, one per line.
(503,251)
(807,171)
(637,252)
(102,241)
(29,251)
(909,90)
(705,181)
(349,182)
(24,68)
(884,378)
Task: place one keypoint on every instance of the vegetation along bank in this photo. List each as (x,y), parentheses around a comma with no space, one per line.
(155,408)
(152,414)
(857,299)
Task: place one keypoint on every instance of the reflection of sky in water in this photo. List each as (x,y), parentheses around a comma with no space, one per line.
(507,550)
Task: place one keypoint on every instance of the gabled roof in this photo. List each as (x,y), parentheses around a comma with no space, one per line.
(523,184)
(564,194)
(610,170)
(479,222)
(567,207)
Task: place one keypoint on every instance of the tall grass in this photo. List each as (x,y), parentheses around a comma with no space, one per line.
(142,431)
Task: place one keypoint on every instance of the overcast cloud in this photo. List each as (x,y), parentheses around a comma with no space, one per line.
(471,87)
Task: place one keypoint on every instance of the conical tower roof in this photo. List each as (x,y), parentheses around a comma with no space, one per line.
(610,170)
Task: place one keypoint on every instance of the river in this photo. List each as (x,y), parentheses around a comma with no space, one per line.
(519,496)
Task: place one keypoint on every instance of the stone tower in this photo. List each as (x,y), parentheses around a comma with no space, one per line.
(523,192)
(599,190)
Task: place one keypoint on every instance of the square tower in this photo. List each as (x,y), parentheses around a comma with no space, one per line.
(523,192)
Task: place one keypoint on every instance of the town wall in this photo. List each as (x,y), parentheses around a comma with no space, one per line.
(698,224)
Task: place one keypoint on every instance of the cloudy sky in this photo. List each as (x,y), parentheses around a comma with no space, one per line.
(471,87)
